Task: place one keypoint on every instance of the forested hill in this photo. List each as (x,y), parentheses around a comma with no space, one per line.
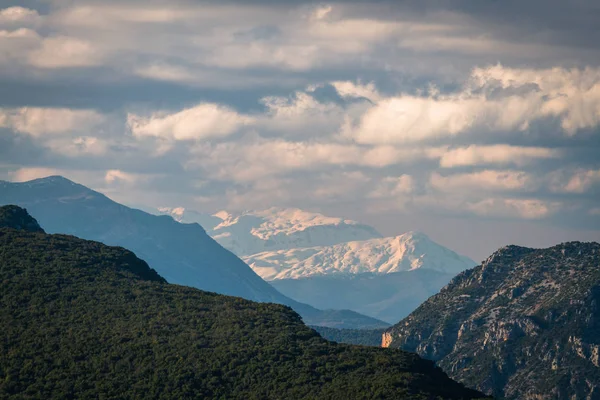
(79,319)
(16,217)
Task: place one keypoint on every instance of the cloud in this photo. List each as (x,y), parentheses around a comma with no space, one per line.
(200,122)
(15,46)
(28,173)
(18,16)
(78,146)
(66,52)
(39,122)
(513,208)
(581,181)
(348,89)
(257,158)
(484,180)
(486,104)
(115,175)
(392,187)
(500,154)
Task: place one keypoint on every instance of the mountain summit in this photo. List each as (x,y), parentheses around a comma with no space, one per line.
(406,252)
(525,324)
(273,229)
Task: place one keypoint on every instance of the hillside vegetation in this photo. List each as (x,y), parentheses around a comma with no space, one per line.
(79,319)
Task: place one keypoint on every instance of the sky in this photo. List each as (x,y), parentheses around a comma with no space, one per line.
(476,122)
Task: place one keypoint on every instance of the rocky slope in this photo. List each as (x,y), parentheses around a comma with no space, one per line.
(525,324)
(182,253)
(79,319)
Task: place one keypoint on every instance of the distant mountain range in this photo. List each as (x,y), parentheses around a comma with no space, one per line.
(80,320)
(389,297)
(407,252)
(182,253)
(333,262)
(274,229)
(525,324)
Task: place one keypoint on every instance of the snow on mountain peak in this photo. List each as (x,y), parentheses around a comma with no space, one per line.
(275,228)
(405,252)
(281,243)
(287,221)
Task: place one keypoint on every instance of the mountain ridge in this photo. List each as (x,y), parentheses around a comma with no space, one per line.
(525,324)
(182,253)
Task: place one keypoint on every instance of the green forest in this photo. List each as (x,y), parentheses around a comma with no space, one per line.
(79,319)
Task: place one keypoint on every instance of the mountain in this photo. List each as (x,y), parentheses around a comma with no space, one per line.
(368,276)
(525,324)
(274,229)
(406,252)
(363,337)
(18,218)
(79,319)
(388,297)
(182,253)
(385,278)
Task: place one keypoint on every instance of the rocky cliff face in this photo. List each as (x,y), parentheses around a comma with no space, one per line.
(525,324)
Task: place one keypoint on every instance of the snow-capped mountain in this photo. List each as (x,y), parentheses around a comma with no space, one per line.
(334,262)
(274,229)
(407,252)
(186,216)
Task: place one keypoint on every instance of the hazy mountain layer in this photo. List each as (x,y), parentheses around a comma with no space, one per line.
(182,253)
(388,297)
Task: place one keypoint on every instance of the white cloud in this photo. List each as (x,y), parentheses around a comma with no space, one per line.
(484,180)
(259,158)
(513,208)
(18,16)
(203,121)
(49,121)
(582,181)
(392,186)
(349,89)
(500,154)
(115,175)
(66,52)
(21,33)
(321,12)
(165,72)
(15,46)
(28,173)
(572,96)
